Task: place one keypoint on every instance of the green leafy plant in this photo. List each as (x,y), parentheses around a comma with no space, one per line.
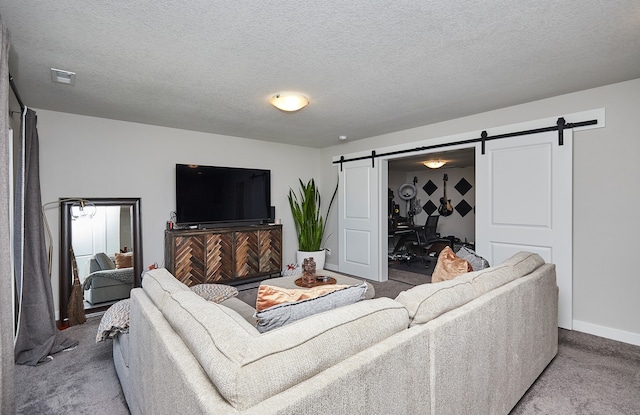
(307,216)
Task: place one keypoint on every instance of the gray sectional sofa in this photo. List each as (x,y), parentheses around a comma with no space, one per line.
(471,345)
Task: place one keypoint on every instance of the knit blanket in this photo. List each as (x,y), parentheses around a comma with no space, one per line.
(123,275)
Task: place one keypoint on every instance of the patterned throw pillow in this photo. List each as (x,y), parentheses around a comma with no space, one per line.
(215,292)
(114,321)
(282,314)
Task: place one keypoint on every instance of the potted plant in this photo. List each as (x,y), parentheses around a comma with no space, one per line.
(309,222)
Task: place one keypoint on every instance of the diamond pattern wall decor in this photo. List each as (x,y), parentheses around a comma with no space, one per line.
(463,187)
(463,208)
(429,207)
(430,187)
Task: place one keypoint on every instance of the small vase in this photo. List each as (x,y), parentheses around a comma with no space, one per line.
(318,257)
(308,271)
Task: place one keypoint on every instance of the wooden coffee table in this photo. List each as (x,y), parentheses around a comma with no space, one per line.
(340,279)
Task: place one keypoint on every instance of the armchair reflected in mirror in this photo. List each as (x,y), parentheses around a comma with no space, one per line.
(105,234)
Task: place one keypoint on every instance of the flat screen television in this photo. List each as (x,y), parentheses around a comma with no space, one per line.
(212,195)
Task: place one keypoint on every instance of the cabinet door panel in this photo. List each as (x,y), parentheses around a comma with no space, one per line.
(247,254)
(270,250)
(189,259)
(219,250)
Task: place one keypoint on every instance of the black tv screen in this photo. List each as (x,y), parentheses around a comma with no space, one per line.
(210,194)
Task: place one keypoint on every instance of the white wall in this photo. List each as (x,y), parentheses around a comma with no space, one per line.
(84,156)
(95,157)
(606,197)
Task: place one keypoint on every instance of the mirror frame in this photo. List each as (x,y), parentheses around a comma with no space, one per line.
(66,271)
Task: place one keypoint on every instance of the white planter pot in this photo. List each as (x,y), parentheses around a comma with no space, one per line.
(318,257)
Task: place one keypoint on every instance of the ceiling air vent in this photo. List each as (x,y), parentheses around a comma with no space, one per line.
(63,77)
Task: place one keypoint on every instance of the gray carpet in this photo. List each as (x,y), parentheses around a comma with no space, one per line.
(79,381)
(590,375)
(409,275)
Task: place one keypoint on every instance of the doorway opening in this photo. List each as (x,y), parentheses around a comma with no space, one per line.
(416,193)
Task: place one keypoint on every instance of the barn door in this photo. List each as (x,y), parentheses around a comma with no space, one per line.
(524,203)
(359,219)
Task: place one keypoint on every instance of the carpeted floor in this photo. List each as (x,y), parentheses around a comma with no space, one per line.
(590,375)
(78,381)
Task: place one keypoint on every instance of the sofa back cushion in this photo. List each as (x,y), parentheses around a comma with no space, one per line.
(427,301)
(248,367)
(519,265)
(159,284)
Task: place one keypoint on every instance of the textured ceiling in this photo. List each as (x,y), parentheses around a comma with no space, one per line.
(369,67)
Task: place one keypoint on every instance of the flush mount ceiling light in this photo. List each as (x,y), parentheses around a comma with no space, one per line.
(289,101)
(63,77)
(434,164)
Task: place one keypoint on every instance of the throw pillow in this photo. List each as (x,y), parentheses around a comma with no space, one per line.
(215,292)
(114,321)
(104,262)
(285,313)
(124,260)
(449,266)
(477,262)
(268,296)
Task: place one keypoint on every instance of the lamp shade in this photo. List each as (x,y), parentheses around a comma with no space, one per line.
(289,101)
(434,164)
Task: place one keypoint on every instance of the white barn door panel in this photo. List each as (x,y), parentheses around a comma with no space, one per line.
(359,218)
(524,203)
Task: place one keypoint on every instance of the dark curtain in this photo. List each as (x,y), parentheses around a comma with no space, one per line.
(38,336)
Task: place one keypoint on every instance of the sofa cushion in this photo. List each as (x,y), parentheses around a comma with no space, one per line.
(104,262)
(268,295)
(427,301)
(283,314)
(215,292)
(245,310)
(524,263)
(247,367)
(517,266)
(449,266)
(159,284)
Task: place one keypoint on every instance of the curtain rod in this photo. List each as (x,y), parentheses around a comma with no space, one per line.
(560,126)
(14,88)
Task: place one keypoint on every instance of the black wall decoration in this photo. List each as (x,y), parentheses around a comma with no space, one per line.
(463,208)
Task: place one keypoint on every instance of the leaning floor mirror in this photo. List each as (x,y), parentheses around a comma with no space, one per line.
(103,236)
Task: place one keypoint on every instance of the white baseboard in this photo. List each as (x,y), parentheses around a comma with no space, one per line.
(607,332)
